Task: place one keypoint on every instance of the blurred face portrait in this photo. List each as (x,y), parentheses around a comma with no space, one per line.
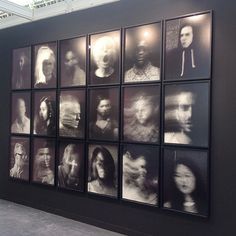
(22,62)
(104,108)
(20,155)
(20,108)
(48,67)
(140,164)
(142,53)
(185,101)
(43,111)
(44,157)
(186,36)
(104,52)
(70,60)
(184,179)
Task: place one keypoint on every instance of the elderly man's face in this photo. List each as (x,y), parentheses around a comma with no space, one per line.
(20,156)
(20,108)
(184,110)
(186,36)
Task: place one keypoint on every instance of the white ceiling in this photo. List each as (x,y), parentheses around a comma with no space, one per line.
(15,12)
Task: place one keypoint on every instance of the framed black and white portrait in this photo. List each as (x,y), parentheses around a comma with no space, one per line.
(105,58)
(20,112)
(103,169)
(71,164)
(142,53)
(21,68)
(45,65)
(188,47)
(72,113)
(140,173)
(187,114)
(19,158)
(185,181)
(141,114)
(43,161)
(73,62)
(104,113)
(44,113)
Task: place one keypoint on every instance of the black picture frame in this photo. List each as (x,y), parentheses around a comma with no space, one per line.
(185,186)
(188,47)
(21,68)
(98,181)
(73,58)
(104,58)
(142,53)
(45,61)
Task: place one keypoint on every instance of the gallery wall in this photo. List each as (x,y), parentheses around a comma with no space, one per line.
(123,217)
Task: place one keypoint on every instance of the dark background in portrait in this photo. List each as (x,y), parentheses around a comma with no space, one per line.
(26,97)
(134,35)
(38,143)
(113,149)
(199,161)
(26,143)
(78,46)
(130,95)
(80,96)
(53,47)
(126,218)
(16,55)
(62,145)
(151,154)
(200,111)
(93,66)
(201,43)
(36,100)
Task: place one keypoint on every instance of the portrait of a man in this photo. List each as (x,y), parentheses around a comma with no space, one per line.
(141,114)
(73,59)
(104,119)
(72,113)
(188,47)
(104,58)
(45,65)
(43,161)
(186,114)
(21,68)
(142,53)
(21,109)
(19,160)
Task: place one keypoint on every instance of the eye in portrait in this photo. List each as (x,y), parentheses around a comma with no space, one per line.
(187,114)
(188,47)
(185,181)
(140,173)
(103,169)
(142,53)
(73,62)
(45,113)
(104,58)
(141,114)
(20,113)
(21,68)
(43,162)
(45,65)
(72,113)
(71,165)
(19,159)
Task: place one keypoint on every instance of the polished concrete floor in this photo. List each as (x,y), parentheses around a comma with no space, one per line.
(18,220)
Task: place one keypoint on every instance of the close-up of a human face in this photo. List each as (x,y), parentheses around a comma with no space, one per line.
(21,62)
(141,166)
(184,179)
(184,111)
(20,108)
(48,67)
(104,108)
(72,161)
(70,60)
(143,111)
(45,156)
(20,155)
(105,52)
(186,36)
(142,53)
(99,164)
(43,111)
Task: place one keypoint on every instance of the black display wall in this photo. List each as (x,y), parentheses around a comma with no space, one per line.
(129,218)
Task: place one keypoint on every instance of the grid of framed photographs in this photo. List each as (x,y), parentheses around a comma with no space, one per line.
(123,114)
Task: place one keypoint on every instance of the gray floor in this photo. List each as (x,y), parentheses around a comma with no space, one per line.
(18,220)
